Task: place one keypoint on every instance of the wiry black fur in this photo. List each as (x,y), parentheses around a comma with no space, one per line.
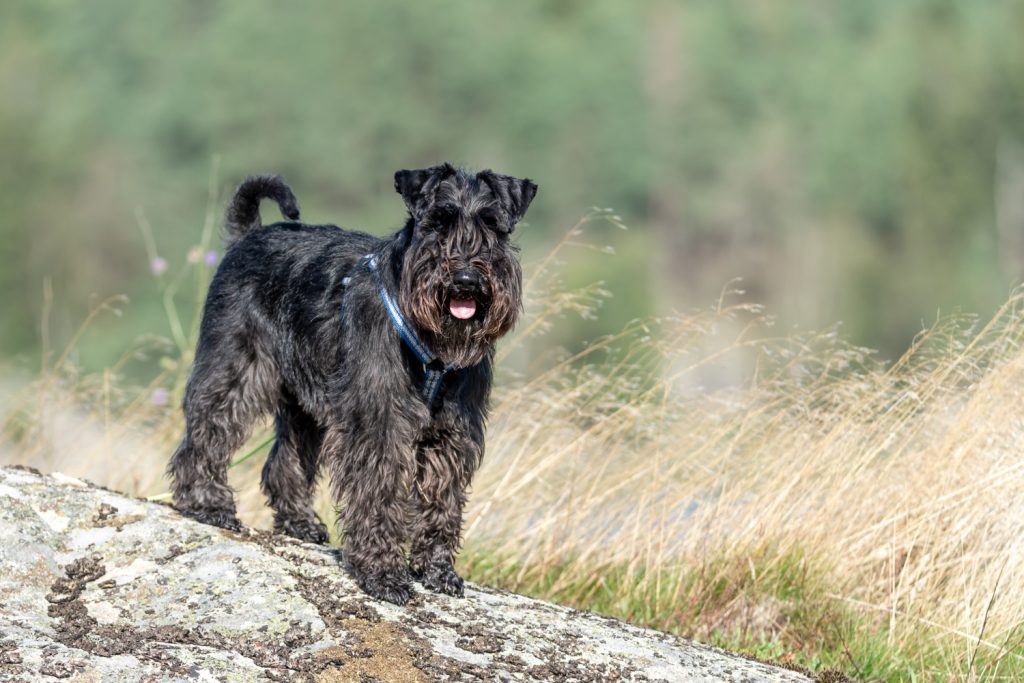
(294,325)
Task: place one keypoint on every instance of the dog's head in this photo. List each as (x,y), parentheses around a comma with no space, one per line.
(461,281)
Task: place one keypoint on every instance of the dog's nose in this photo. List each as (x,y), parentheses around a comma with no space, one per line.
(466,278)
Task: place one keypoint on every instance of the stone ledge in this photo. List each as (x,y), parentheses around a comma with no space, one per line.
(95,585)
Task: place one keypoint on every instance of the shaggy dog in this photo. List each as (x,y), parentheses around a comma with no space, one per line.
(374,354)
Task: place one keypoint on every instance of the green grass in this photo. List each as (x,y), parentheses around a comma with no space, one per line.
(775,608)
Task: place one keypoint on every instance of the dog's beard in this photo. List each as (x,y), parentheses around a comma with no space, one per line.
(460,325)
(458,329)
(459,342)
(462,343)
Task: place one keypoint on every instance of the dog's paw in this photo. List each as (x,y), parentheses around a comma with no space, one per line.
(304,529)
(441,579)
(395,587)
(225,519)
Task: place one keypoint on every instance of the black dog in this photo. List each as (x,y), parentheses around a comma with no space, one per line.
(376,356)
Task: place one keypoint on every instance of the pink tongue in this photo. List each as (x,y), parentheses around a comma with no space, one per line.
(463,309)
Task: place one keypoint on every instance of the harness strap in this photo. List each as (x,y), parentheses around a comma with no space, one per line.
(433,369)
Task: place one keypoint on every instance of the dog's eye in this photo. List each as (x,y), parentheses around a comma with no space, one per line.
(443,217)
(490,221)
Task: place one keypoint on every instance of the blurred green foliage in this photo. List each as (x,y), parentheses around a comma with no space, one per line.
(856,161)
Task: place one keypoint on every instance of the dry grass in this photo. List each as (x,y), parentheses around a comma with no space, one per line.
(826,509)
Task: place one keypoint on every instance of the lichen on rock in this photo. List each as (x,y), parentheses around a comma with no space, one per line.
(101,586)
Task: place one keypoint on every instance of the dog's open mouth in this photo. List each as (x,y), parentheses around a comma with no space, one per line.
(462,308)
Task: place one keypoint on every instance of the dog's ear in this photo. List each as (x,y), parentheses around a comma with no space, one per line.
(409,184)
(416,186)
(514,194)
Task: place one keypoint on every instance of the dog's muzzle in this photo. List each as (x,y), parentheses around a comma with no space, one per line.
(464,294)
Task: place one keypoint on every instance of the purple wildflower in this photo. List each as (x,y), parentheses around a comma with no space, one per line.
(211,258)
(158,265)
(159,396)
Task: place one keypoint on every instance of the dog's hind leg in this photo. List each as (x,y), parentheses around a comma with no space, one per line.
(226,393)
(289,475)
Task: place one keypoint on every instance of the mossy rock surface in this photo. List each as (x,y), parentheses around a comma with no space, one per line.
(95,585)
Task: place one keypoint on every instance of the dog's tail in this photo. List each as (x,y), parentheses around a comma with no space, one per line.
(243,214)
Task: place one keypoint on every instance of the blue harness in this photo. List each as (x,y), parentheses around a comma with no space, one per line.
(433,369)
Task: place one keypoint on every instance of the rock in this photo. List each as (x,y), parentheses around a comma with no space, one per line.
(98,586)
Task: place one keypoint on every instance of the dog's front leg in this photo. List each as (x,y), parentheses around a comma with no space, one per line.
(445,463)
(372,458)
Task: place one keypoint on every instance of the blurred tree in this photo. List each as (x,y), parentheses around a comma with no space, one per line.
(849,160)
